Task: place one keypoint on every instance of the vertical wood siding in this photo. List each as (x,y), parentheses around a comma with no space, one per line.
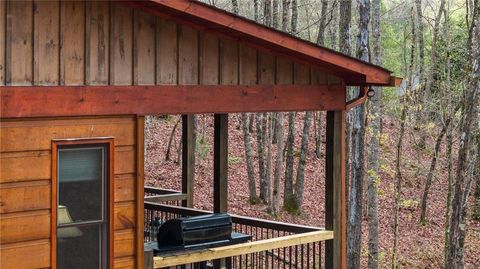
(105,43)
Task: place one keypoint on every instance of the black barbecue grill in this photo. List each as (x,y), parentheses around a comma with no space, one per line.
(206,231)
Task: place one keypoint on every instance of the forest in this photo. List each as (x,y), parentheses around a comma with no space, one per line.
(413,152)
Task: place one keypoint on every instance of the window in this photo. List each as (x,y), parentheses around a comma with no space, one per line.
(82,204)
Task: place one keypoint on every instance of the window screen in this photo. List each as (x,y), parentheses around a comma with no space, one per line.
(81,207)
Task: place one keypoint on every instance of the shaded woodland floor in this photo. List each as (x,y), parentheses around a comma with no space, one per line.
(420,246)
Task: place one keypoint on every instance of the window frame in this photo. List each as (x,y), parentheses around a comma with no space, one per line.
(108,143)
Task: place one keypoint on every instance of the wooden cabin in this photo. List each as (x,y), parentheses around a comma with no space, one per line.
(78,78)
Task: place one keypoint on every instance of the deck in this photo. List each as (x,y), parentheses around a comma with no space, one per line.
(273,245)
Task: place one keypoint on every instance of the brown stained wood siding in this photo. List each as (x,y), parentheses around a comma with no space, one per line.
(121,45)
(19,43)
(209,50)
(97,42)
(46,43)
(72,38)
(25,194)
(143,48)
(3,22)
(100,43)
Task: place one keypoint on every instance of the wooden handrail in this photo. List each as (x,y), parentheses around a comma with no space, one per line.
(237,219)
(187,257)
(166,197)
(156,190)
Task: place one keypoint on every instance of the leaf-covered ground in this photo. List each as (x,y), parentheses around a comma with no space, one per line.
(420,246)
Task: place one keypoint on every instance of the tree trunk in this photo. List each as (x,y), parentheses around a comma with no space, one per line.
(267,12)
(261,155)
(285,17)
(398,171)
(448,208)
(235,6)
(462,177)
(476,195)
(299,182)
(170,139)
(252,190)
(269,159)
(323,23)
(294,20)
(288,197)
(278,164)
(424,113)
(421,41)
(256,16)
(275,14)
(374,147)
(333,26)
(433,163)
(344,42)
(320,41)
(318,134)
(355,210)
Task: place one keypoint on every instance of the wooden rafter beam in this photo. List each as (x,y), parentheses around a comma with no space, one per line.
(37,101)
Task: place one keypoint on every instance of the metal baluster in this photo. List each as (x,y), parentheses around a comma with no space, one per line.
(314,256)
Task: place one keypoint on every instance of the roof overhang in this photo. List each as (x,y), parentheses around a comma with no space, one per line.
(207,18)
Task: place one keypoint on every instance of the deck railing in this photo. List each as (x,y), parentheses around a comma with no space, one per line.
(284,254)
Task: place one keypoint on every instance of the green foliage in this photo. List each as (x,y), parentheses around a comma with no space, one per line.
(234,160)
(409,204)
(291,206)
(201,147)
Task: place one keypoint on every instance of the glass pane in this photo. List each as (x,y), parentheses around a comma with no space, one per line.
(80,185)
(78,247)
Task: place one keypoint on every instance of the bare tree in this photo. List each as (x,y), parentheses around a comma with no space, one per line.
(299,182)
(275,14)
(256,16)
(421,40)
(288,197)
(463,178)
(285,14)
(375,103)
(267,12)
(170,139)
(433,163)
(278,164)
(424,113)
(354,223)
(320,41)
(294,20)
(261,129)
(235,6)
(476,195)
(252,190)
(344,43)
(323,23)
(398,171)
(344,25)
(269,137)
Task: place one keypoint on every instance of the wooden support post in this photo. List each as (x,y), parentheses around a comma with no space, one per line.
(335,189)
(140,191)
(188,158)
(220,173)
(220,163)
